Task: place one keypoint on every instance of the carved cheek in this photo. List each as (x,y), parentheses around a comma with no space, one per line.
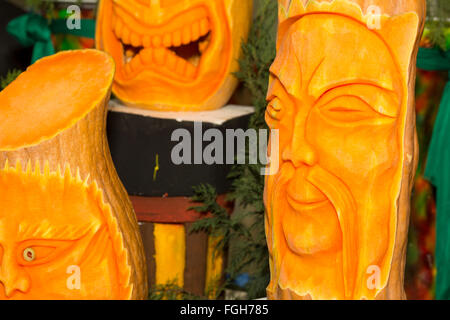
(352,151)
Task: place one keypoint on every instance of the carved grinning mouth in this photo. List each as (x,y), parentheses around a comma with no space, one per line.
(174,52)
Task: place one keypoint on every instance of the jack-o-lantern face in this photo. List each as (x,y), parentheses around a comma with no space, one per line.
(58,239)
(340,99)
(174,54)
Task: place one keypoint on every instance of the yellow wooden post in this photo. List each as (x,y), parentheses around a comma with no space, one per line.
(170,252)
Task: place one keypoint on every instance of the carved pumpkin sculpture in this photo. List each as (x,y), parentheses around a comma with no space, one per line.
(174,54)
(67,227)
(341,95)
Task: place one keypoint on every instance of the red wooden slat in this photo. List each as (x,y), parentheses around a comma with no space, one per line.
(170,209)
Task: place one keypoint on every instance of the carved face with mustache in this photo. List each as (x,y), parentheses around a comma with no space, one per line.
(338,96)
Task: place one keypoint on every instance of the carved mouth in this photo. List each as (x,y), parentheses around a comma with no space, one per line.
(302,194)
(309,204)
(172,50)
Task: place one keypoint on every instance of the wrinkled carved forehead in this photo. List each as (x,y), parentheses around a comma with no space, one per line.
(347,22)
(165,3)
(290,8)
(323,50)
(56,203)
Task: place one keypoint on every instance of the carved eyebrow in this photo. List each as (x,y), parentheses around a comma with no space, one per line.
(271,92)
(48,231)
(348,83)
(392,112)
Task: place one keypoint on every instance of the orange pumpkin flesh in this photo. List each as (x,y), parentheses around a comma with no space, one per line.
(341,95)
(59,217)
(29,112)
(63,207)
(174,55)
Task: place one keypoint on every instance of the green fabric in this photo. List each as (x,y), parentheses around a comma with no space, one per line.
(34,30)
(438,170)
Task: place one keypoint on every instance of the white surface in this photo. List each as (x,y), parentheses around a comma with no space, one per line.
(216,117)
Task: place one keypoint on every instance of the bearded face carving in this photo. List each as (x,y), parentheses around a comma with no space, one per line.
(171,54)
(341,95)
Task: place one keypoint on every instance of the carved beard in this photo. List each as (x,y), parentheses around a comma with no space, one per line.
(317,229)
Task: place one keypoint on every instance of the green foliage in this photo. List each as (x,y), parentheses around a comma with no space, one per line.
(46,7)
(248,184)
(10,77)
(170,291)
(220,223)
(257,56)
(438,24)
(43,6)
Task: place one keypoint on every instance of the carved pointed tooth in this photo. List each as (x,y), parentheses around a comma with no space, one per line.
(37,168)
(186,36)
(18,165)
(128,58)
(190,70)
(195,61)
(135,40)
(46,168)
(171,61)
(176,38)
(204,26)
(167,40)
(129,53)
(157,41)
(28,167)
(113,21)
(181,66)
(131,65)
(147,41)
(146,56)
(126,35)
(119,28)
(159,55)
(128,69)
(195,29)
(203,45)
(136,63)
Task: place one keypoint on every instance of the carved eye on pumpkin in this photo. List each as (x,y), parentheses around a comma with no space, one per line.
(35,252)
(274,110)
(29,254)
(351,109)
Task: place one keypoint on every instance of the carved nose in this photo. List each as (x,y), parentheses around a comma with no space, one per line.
(303,154)
(13,277)
(298,150)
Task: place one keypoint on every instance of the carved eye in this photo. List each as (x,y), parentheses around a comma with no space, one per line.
(274,109)
(29,254)
(348,109)
(34,252)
